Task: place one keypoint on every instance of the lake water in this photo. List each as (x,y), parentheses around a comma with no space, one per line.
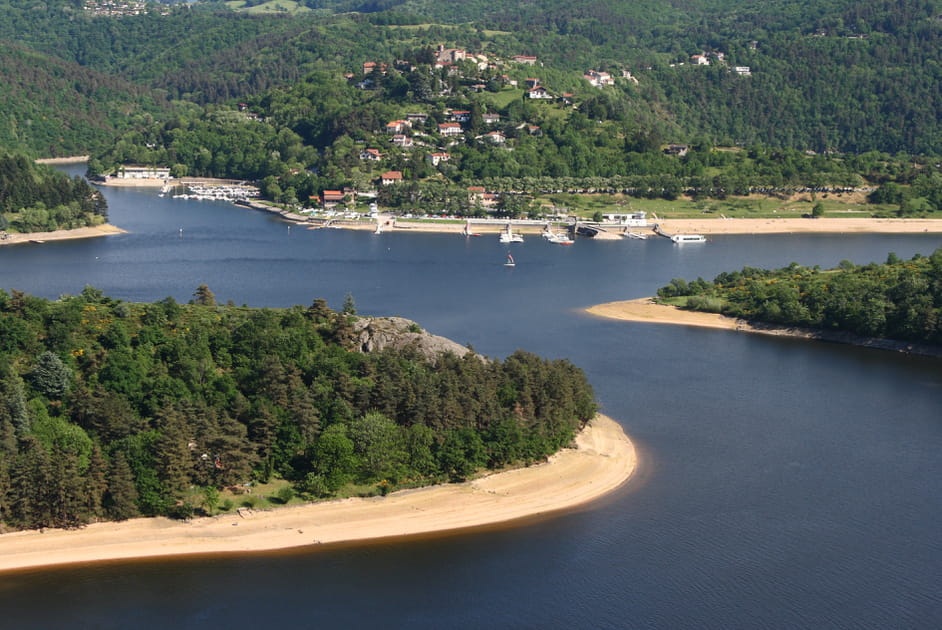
(784,483)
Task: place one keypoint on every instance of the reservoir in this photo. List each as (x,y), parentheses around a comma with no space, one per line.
(783,483)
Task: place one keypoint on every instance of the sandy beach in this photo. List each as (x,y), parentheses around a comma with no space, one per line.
(603,460)
(645,310)
(133,182)
(824,225)
(707,227)
(72,159)
(105,229)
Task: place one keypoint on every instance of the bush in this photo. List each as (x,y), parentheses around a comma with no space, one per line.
(705,304)
(283,495)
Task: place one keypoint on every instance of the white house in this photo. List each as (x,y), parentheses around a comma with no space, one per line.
(450,129)
(142,172)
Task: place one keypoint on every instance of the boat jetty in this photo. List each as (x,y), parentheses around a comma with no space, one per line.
(215,190)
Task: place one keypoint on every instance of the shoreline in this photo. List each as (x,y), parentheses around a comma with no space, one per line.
(105,229)
(604,459)
(73,159)
(645,310)
(707,227)
(823,225)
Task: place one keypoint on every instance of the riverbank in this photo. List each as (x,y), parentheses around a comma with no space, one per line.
(603,460)
(74,159)
(645,310)
(707,227)
(105,229)
(824,225)
(134,182)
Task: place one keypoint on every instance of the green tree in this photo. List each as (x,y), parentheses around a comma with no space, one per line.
(333,458)
(50,376)
(203,296)
(120,499)
(349,306)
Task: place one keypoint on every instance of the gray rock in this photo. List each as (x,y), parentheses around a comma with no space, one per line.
(376,333)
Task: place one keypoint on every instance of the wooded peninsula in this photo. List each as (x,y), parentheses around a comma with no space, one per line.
(111,409)
(899,300)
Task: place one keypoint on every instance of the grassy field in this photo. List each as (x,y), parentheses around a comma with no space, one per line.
(274,6)
(500,100)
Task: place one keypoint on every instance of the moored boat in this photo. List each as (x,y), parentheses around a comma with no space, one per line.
(509,236)
(688,238)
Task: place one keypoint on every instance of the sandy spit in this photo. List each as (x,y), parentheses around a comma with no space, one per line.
(603,460)
(646,310)
(104,229)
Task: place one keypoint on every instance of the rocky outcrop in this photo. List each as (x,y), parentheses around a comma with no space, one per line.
(376,333)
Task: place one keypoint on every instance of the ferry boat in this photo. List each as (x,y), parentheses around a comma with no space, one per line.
(688,238)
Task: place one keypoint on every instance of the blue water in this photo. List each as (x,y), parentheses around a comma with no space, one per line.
(784,483)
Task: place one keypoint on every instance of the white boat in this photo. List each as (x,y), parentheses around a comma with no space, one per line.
(688,238)
(508,236)
(636,235)
(560,239)
(510,261)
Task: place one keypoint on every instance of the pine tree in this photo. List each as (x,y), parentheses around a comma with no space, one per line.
(120,500)
(96,484)
(29,505)
(204,297)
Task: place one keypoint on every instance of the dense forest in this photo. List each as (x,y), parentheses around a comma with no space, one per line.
(900,299)
(36,198)
(110,409)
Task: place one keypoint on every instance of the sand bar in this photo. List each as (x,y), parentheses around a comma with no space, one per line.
(646,310)
(603,460)
(104,229)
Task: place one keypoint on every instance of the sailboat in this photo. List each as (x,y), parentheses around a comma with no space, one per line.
(510,261)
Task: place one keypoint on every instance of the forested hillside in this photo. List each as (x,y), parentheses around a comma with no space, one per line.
(836,76)
(52,107)
(111,409)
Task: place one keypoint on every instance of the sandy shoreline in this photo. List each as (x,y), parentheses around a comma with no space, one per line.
(73,159)
(604,460)
(105,229)
(824,225)
(707,227)
(646,311)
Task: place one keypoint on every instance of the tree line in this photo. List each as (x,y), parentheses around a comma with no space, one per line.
(110,409)
(900,299)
